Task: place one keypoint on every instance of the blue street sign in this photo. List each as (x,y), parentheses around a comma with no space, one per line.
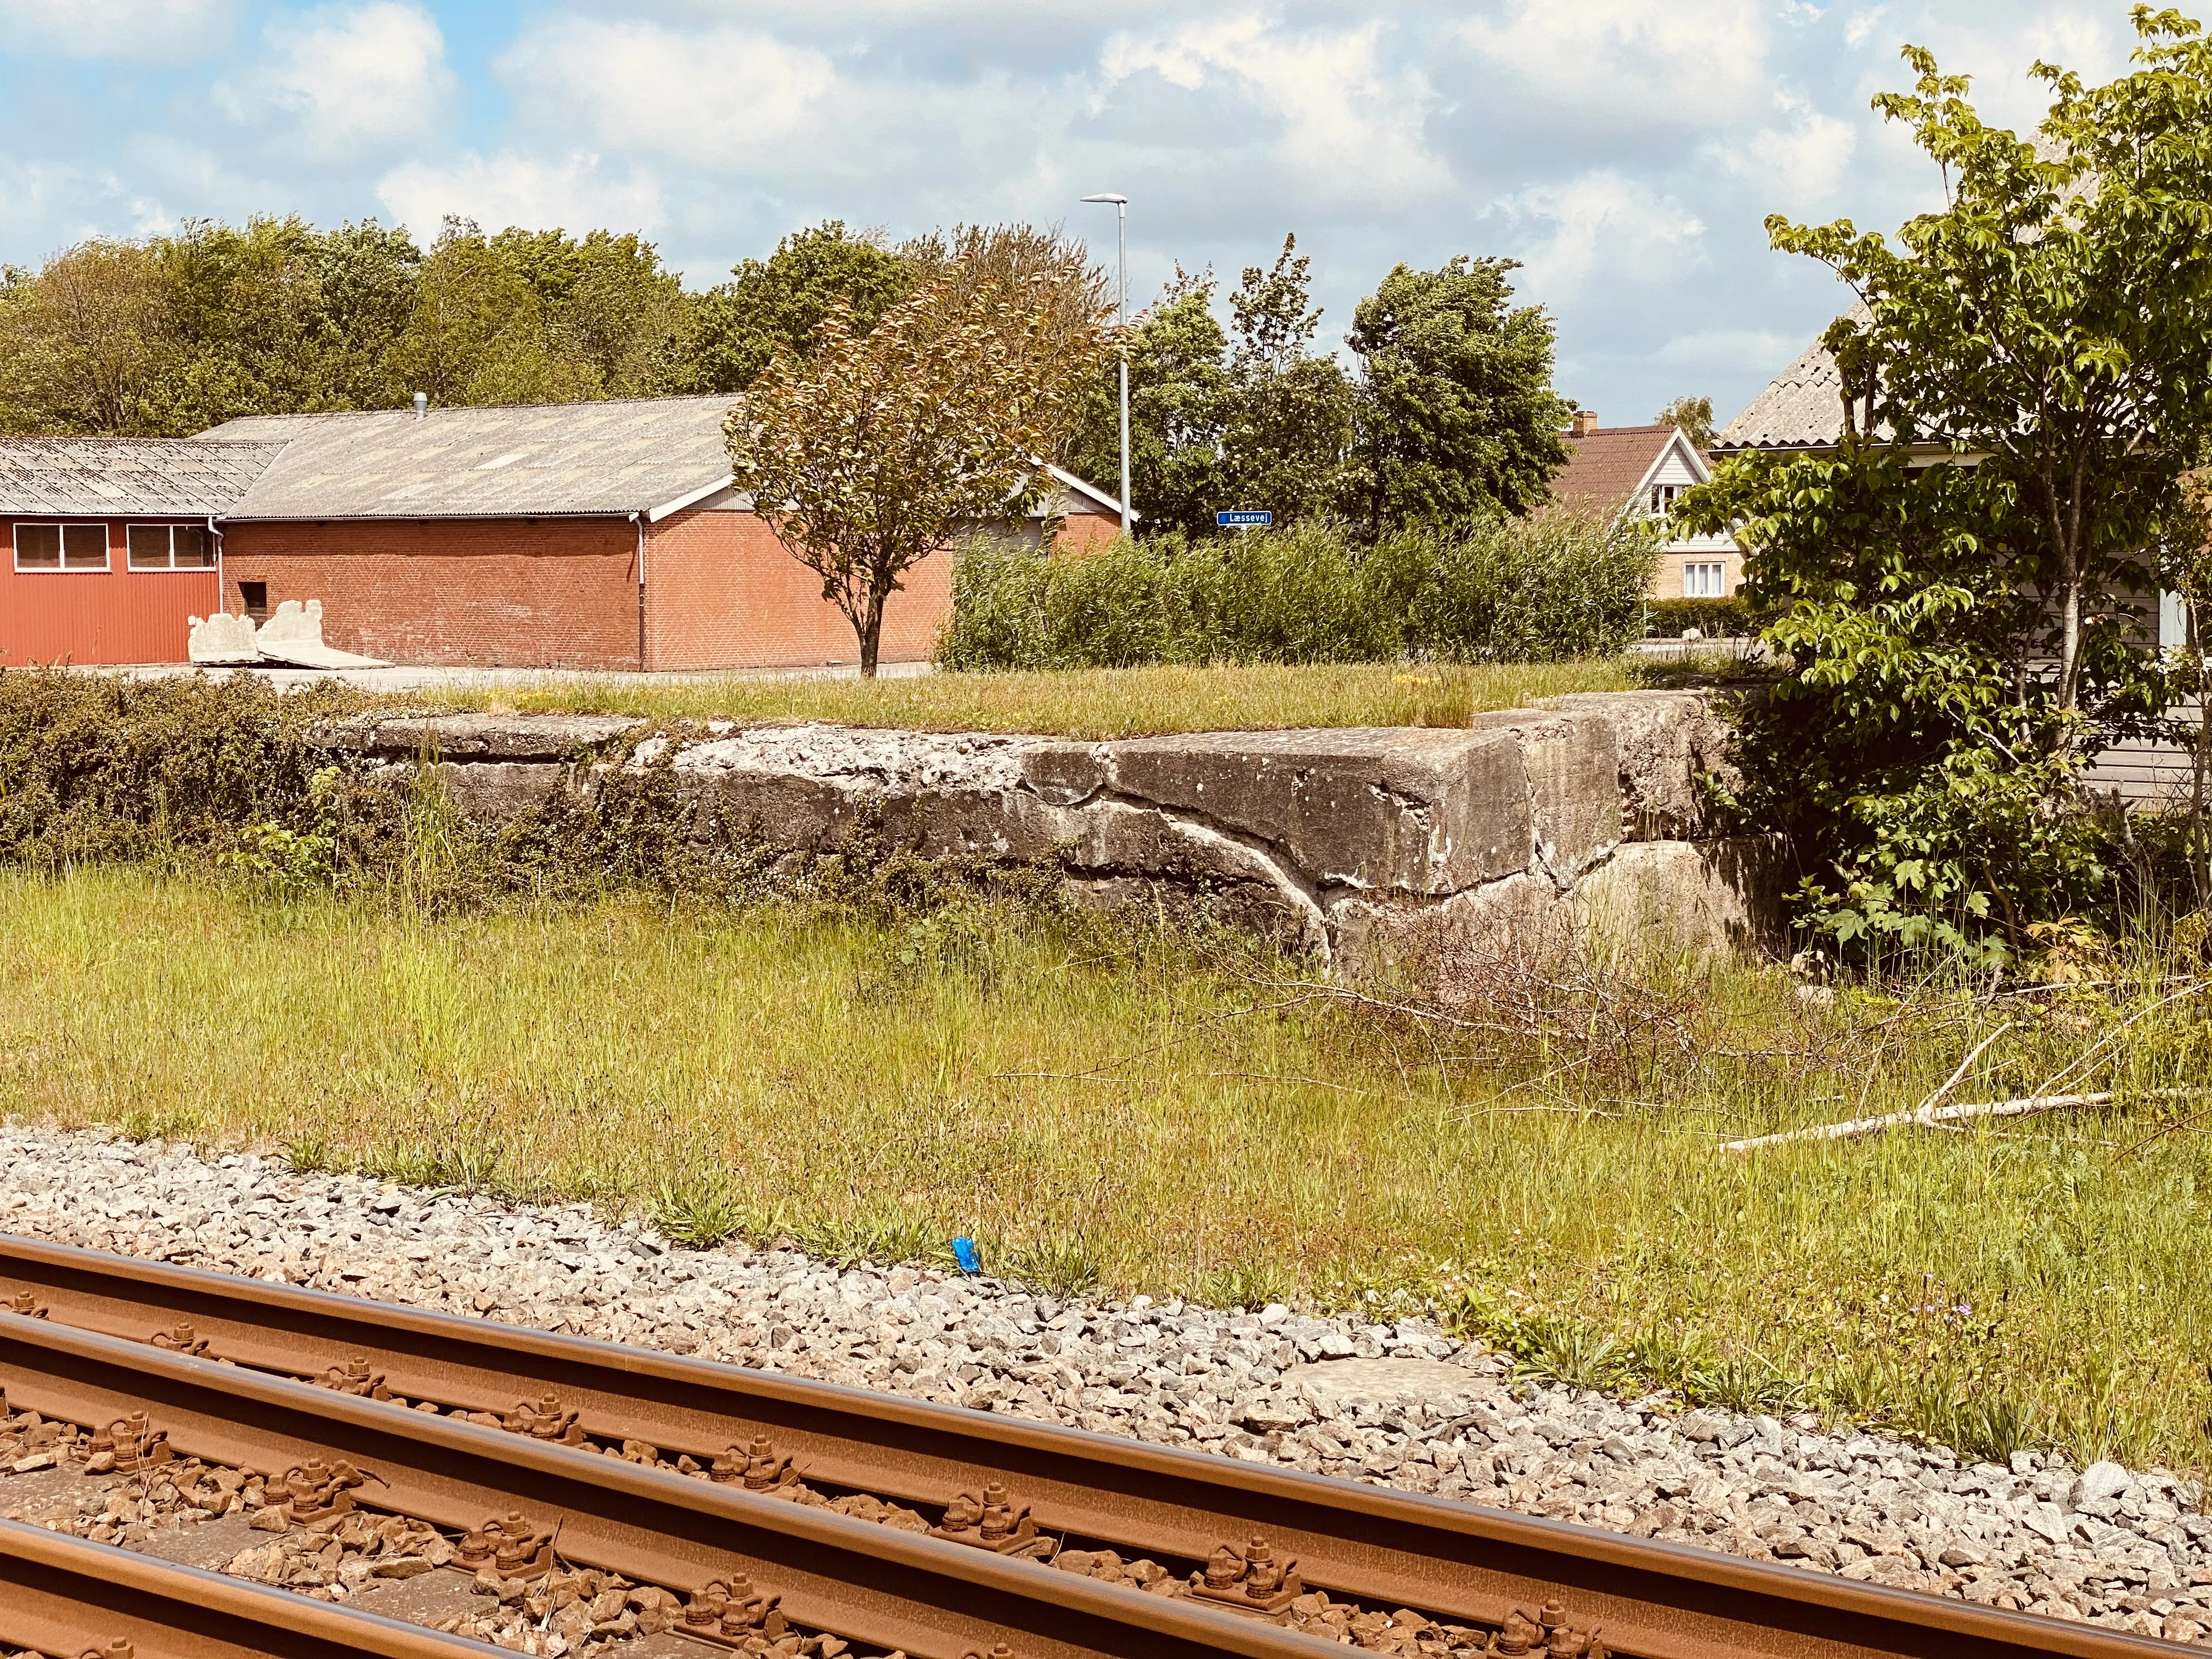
(1225,519)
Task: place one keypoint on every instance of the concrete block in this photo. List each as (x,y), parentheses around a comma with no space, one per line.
(1414,811)
(1667,741)
(1572,758)
(294,634)
(521,738)
(499,791)
(1701,899)
(221,639)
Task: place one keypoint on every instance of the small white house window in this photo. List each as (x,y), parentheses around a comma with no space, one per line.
(170,547)
(1662,499)
(1703,581)
(61,547)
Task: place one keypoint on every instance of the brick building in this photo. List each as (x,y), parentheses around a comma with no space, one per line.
(1640,470)
(601,535)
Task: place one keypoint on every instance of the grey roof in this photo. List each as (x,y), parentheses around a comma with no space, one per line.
(127,477)
(1802,408)
(540,460)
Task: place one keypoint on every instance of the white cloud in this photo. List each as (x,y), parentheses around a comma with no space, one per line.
(510,189)
(159,30)
(346,84)
(1604,225)
(1804,160)
(1862,25)
(1619,60)
(714,97)
(1351,127)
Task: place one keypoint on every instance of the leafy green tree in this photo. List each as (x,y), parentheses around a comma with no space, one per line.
(879,449)
(607,308)
(82,342)
(1963,633)
(1692,417)
(777,304)
(1287,429)
(1178,407)
(1457,416)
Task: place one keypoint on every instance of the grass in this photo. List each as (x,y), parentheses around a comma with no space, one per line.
(1092,703)
(1139,1114)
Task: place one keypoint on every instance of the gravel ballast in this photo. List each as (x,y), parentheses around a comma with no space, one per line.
(1392,1404)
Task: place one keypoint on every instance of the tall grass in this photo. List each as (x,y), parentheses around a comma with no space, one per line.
(1548,588)
(1143,1113)
(1094,703)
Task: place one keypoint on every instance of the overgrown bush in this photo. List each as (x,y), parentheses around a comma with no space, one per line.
(196,772)
(97,767)
(1550,586)
(1731,618)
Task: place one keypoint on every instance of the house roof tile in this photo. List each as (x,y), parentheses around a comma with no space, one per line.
(1802,408)
(1605,468)
(547,460)
(127,477)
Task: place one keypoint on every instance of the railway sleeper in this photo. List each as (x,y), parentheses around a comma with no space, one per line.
(330,1546)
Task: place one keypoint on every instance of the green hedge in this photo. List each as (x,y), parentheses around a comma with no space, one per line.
(1540,589)
(1716,619)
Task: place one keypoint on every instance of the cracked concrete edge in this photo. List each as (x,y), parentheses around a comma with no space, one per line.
(1408,803)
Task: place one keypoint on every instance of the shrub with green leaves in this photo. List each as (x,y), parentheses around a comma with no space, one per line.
(1732,618)
(1554,586)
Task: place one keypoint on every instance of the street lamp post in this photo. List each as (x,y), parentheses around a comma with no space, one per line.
(1120,205)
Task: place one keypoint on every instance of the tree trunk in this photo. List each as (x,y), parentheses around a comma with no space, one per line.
(872,636)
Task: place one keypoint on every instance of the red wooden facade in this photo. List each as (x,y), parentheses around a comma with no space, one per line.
(56,605)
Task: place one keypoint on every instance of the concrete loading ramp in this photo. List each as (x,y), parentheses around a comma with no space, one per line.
(1426,850)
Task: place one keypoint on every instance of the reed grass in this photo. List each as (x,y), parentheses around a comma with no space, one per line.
(1141,1112)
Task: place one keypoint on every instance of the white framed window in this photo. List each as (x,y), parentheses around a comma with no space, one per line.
(1662,499)
(61,547)
(1701,581)
(170,547)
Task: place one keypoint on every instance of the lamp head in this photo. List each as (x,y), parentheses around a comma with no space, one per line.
(1110,199)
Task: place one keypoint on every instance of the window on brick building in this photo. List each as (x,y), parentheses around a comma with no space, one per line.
(254,599)
(1703,581)
(170,547)
(61,547)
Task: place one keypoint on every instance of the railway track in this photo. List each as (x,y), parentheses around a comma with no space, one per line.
(496,1467)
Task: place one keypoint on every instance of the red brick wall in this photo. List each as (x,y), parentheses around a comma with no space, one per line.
(504,592)
(721,592)
(1081,532)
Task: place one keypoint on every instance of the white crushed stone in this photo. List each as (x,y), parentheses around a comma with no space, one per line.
(2126,1549)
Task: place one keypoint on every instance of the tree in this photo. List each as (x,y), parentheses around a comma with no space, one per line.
(608,308)
(1051,269)
(81,343)
(1968,576)
(1692,417)
(777,304)
(1457,416)
(882,447)
(1288,424)
(1178,409)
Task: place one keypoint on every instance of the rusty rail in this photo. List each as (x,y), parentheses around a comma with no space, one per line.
(1653,1600)
(61,1595)
(868,1583)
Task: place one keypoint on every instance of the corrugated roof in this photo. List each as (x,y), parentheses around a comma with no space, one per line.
(1605,467)
(127,477)
(538,460)
(1802,408)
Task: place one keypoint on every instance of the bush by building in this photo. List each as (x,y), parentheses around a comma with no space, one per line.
(1730,618)
(1544,588)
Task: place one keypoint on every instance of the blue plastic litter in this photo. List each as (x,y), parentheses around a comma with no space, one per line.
(964,1252)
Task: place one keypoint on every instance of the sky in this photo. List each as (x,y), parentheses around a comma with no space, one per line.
(1626,152)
